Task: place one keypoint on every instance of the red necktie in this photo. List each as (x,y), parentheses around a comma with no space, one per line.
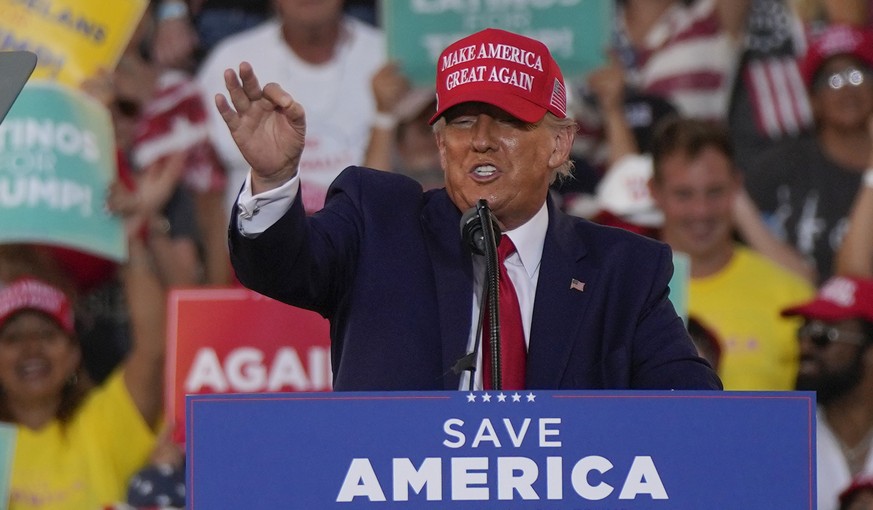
(513,352)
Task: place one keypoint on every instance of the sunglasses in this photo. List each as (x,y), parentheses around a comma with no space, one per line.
(823,335)
(849,77)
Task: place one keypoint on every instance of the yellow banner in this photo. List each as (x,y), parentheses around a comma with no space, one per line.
(72,38)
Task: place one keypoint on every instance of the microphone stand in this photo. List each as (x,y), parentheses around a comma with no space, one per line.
(480,231)
(492,290)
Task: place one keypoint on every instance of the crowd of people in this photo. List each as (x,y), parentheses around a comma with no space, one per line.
(736,132)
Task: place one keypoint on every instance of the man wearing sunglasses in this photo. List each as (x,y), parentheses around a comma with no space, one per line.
(805,186)
(837,363)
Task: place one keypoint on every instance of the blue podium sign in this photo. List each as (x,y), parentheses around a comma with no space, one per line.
(520,450)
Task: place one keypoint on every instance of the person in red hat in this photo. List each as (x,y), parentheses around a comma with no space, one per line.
(837,363)
(858,495)
(805,186)
(385,261)
(77,445)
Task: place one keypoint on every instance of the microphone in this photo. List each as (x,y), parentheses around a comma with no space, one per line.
(481,233)
(472,230)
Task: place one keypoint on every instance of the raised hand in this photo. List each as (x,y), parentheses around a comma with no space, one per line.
(389,86)
(268,126)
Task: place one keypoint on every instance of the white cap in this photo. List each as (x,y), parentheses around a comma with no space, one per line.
(624,191)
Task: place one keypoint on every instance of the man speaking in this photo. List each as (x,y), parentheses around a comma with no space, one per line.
(581,306)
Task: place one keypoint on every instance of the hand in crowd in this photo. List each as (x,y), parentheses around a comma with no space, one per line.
(267,125)
(135,78)
(154,187)
(389,86)
(100,86)
(607,84)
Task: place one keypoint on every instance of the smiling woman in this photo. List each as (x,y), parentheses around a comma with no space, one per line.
(39,354)
(77,445)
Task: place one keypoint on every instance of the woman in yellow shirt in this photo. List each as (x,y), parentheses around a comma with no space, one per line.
(77,447)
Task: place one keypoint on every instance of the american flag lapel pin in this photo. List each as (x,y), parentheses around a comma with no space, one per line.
(577,285)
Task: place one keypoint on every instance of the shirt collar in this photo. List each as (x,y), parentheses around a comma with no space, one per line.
(529,239)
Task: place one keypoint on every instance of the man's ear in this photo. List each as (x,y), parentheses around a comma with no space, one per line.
(441,147)
(563,144)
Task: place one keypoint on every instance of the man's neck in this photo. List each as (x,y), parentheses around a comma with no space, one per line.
(851,149)
(705,264)
(851,417)
(315,45)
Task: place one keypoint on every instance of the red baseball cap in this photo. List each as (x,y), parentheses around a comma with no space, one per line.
(33,294)
(860,483)
(510,71)
(840,298)
(836,40)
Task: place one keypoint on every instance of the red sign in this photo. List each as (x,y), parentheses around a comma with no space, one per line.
(237,341)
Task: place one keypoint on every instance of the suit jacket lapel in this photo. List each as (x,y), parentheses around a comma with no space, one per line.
(453,274)
(559,308)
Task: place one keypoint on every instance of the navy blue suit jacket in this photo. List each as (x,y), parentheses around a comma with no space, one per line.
(385,262)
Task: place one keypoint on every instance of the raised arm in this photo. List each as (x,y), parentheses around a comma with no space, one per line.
(389,86)
(146,303)
(267,125)
(733,15)
(855,254)
(607,83)
(751,227)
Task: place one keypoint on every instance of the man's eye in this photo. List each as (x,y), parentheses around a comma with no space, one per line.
(460,121)
(513,122)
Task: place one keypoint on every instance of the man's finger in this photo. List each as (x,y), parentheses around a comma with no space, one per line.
(291,109)
(277,95)
(235,90)
(250,82)
(227,113)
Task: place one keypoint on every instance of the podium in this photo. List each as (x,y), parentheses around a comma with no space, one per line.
(502,450)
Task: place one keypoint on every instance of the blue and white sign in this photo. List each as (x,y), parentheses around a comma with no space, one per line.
(519,450)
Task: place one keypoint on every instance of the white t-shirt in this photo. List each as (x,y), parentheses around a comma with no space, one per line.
(337,97)
(832,468)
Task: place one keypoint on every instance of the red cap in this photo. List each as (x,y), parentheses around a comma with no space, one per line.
(32,294)
(860,483)
(837,40)
(512,72)
(840,298)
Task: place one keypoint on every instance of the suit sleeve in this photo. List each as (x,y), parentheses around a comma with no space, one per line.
(664,356)
(299,260)
(312,261)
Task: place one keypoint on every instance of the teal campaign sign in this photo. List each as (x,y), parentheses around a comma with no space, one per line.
(532,449)
(679,284)
(57,158)
(8,433)
(577,32)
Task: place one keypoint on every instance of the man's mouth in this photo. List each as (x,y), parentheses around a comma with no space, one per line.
(485,171)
